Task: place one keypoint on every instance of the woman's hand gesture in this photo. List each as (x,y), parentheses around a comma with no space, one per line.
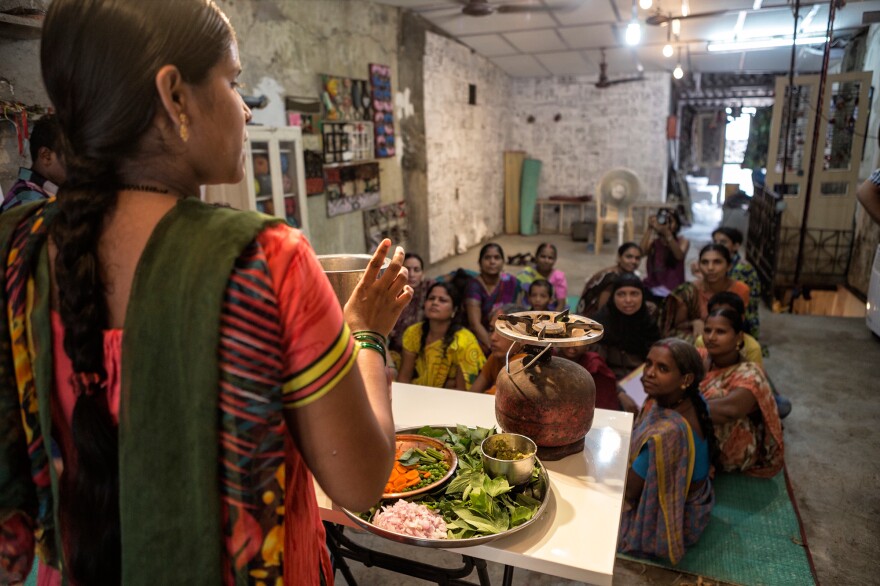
(377,300)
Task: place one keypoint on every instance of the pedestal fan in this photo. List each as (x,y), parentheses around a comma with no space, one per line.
(616,192)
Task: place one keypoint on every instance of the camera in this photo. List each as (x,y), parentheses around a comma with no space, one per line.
(662,217)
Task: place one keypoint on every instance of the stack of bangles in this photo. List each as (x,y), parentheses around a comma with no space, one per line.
(372,340)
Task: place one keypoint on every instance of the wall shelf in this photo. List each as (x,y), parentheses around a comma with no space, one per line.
(349,163)
(21,27)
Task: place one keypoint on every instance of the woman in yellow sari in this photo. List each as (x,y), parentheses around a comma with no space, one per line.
(439,351)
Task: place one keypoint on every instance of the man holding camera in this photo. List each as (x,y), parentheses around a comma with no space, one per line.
(665,251)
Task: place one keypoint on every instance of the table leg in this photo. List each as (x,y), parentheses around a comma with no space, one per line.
(344,547)
(508,576)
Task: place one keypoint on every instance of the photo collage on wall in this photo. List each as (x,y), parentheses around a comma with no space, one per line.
(351,188)
(388,221)
(383,110)
(345,129)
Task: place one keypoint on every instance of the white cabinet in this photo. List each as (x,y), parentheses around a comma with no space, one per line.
(274,181)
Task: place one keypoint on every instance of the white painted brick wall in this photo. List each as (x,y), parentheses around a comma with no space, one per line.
(465,146)
(619,126)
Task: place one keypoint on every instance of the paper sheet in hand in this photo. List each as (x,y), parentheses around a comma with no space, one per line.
(632,384)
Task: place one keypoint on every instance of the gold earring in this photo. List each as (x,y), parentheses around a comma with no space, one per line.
(184,129)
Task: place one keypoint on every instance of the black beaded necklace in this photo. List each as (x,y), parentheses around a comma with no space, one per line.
(148,188)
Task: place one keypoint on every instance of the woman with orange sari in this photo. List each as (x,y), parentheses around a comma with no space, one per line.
(687,306)
(741,404)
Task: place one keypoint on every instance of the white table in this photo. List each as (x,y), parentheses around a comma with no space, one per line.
(576,537)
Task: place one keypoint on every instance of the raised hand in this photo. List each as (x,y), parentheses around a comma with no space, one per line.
(377,300)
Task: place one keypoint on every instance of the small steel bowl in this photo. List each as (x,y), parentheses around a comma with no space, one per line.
(516,471)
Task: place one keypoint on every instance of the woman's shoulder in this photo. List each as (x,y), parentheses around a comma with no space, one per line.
(412,336)
(464,337)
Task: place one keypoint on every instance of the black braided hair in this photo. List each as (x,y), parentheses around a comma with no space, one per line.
(99,60)
(689,362)
(457,322)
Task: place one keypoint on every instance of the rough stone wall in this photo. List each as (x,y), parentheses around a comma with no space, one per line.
(465,146)
(291,42)
(867,232)
(283,43)
(620,126)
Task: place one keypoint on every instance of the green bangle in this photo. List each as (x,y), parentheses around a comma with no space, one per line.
(377,348)
(370,339)
(376,335)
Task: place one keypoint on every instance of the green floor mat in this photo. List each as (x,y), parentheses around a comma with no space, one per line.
(753,538)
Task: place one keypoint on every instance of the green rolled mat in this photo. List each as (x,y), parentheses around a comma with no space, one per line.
(531,172)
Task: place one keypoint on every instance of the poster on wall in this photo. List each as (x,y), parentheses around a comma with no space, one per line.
(383,109)
(345,99)
(314,167)
(388,221)
(351,188)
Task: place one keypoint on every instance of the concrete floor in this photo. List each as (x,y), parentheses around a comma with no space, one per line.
(827,366)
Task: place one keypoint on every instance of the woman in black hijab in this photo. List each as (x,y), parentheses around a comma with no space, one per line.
(630,329)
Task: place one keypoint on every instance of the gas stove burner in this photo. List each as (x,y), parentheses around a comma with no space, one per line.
(549,328)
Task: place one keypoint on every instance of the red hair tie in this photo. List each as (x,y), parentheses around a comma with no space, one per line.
(86,383)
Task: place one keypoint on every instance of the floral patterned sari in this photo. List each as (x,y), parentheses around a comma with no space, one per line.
(751,444)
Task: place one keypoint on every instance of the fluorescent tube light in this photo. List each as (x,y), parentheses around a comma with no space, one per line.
(763,44)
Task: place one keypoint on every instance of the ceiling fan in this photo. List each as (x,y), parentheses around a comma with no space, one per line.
(603,75)
(484,8)
(660,19)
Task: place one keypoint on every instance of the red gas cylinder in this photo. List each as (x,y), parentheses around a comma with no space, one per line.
(548,399)
(552,402)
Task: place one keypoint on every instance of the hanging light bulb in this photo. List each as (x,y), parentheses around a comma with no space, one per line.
(633,29)
(633,33)
(678,72)
(676,27)
(646,4)
(685,8)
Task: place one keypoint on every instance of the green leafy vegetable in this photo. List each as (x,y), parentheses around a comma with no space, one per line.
(473,504)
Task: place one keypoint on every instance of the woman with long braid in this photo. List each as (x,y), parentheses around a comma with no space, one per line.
(669,494)
(169,369)
(439,351)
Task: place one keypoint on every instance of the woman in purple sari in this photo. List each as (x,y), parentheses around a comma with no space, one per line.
(489,290)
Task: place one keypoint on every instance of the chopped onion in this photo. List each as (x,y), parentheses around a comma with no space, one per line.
(411,519)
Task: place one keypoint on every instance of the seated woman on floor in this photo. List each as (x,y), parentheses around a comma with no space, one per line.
(630,329)
(490,289)
(742,270)
(669,493)
(608,394)
(687,307)
(751,349)
(540,295)
(500,348)
(414,312)
(597,290)
(741,404)
(439,351)
(665,250)
(545,261)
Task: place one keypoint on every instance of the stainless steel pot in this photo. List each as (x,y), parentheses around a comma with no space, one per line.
(345,271)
